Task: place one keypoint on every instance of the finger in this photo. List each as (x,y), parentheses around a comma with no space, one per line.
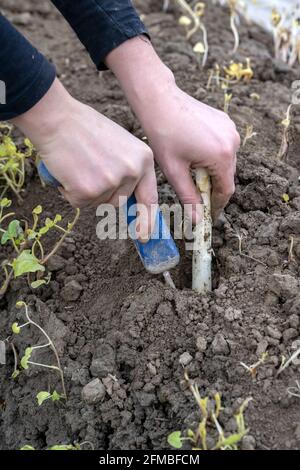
(223,189)
(124,191)
(183,183)
(146,195)
(82,202)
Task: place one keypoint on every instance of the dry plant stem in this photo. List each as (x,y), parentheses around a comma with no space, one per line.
(291,257)
(168,279)
(51,345)
(197,25)
(284,147)
(240,239)
(205,43)
(166,5)
(288,362)
(15,356)
(294,391)
(202,255)
(235,33)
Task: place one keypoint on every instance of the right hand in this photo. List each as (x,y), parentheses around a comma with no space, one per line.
(94,159)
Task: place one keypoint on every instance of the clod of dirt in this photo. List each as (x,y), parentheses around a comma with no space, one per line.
(71,291)
(56,263)
(220,345)
(273,332)
(288,334)
(103,362)
(201,343)
(248,443)
(185,359)
(93,392)
(284,286)
(291,224)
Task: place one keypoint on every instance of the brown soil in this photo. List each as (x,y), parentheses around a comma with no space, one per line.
(127,323)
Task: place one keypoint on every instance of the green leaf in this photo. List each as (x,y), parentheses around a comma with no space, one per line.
(232,440)
(13,231)
(37,210)
(43,230)
(56,396)
(26,357)
(5,202)
(36,284)
(174,439)
(49,223)
(63,447)
(15,328)
(26,262)
(27,447)
(57,218)
(42,396)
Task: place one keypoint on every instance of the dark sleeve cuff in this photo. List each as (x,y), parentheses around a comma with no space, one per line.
(102,25)
(25,74)
(28,97)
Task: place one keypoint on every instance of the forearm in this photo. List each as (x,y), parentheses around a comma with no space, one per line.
(144,78)
(27,75)
(101,25)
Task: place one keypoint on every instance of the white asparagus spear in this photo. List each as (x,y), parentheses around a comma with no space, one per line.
(202,254)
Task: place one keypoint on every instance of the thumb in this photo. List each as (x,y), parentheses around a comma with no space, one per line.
(186,190)
(147,200)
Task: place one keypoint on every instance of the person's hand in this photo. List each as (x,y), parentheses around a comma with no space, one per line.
(94,159)
(183,133)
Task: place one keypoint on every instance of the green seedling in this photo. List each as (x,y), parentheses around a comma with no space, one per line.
(63,446)
(254,367)
(12,162)
(44,396)
(285,141)
(27,242)
(195,15)
(227,101)
(232,74)
(27,361)
(210,425)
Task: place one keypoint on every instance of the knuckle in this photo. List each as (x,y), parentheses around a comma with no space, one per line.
(147,156)
(110,181)
(87,192)
(132,170)
(227,151)
(229,191)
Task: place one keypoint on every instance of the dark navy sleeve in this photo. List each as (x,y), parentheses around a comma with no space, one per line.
(101,25)
(25,74)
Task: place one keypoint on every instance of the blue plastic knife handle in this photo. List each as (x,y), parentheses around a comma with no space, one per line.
(160,253)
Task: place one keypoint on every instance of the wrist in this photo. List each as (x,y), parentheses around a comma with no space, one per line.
(43,120)
(144,78)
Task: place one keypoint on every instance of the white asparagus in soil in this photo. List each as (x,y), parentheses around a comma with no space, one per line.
(202,254)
